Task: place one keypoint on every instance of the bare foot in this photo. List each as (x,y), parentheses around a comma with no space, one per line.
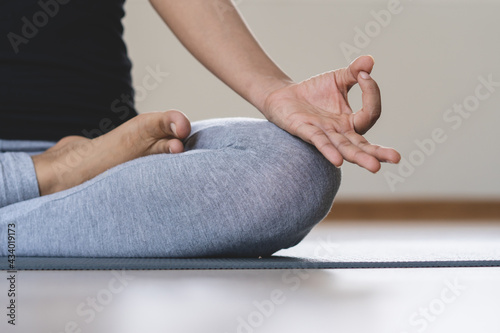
(75,159)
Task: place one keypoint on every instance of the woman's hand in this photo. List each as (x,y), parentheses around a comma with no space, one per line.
(317,110)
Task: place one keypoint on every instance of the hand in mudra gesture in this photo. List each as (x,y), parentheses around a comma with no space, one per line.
(317,110)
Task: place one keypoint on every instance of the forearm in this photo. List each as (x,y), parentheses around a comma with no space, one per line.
(214,32)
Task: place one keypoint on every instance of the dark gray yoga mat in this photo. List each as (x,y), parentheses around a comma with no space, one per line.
(273,262)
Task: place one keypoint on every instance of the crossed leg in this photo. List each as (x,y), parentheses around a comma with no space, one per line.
(243,187)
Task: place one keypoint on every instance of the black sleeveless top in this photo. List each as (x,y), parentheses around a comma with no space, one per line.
(64,69)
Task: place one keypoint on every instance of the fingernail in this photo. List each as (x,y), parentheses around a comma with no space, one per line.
(173,128)
(364,75)
(170,150)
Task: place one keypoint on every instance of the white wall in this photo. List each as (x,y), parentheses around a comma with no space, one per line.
(428,58)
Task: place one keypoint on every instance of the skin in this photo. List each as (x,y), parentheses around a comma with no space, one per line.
(75,159)
(316,110)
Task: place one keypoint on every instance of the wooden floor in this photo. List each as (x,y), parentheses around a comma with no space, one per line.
(451,210)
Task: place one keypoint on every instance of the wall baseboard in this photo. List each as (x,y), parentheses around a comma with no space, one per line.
(415,210)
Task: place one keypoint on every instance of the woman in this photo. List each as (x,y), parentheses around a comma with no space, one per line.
(154,184)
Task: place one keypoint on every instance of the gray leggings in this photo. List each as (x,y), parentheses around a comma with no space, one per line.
(244,187)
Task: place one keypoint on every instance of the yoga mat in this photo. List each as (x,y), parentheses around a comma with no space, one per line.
(327,248)
(273,262)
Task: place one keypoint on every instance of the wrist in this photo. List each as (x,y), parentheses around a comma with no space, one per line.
(266,89)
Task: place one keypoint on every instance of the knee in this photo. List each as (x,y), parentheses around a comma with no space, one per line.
(283,188)
(298,186)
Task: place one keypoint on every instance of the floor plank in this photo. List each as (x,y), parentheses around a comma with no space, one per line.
(401,210)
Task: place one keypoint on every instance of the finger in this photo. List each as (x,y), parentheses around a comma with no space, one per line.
(352,153)
(319,139)
(383,154)
(369,113)
(349,76)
